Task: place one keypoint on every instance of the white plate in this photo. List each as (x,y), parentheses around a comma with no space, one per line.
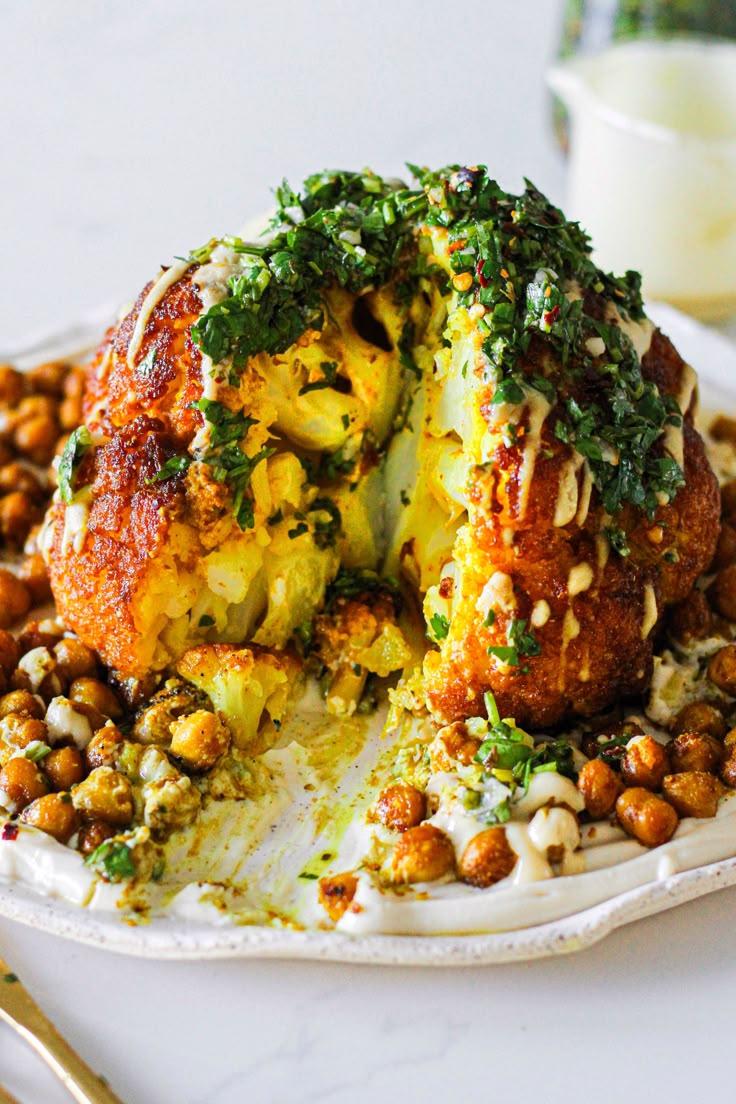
(714,357)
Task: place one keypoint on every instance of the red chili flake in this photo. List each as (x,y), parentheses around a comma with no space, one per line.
(454,246)
(479,269)
(9,832)
(551,316)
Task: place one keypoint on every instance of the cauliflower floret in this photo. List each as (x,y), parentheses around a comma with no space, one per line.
(249,687)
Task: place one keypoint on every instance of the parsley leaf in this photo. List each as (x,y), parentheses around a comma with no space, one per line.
(74,451)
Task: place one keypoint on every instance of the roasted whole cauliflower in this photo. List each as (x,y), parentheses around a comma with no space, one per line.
(436,384)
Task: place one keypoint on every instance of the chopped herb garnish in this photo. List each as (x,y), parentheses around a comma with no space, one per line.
(72,456)
(439,625)
(114,860)
(10,979)
(175,465)
(329,371)
(226,458)
(326,529)
(206,621)
(521,642)
(145,367)
(298,531)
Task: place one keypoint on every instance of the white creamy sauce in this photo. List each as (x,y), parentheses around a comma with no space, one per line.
(651,613)
(567,491)
(541,613)
(538,408)
(161,285)
(579,579)
(76,527)
(674,441)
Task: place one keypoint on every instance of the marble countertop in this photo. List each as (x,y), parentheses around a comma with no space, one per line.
(132,133)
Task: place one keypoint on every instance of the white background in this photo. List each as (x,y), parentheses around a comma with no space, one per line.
(132,132)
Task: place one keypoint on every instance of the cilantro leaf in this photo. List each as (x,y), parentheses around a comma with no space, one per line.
(74,452)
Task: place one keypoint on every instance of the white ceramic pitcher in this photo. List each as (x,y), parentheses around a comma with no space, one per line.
(653,165)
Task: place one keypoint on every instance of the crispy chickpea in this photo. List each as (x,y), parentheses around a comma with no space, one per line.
(12,385)
(691,619)
(487,858)
(722,592)
(34,573)
(600,786)
(92,692)
(693,751)
(451,746)
(422,854)
(400,806)
(722,669)
(32,406)
(21,701)
(75,659)
(15,599)
(692,793)
(645,763)
(23,782)
(646,817)
(335,894)
(728,767)
(48,378)
(728,500)
(105,794)
(103,747)
(701,718)
(593,741)
(36,438)
(20,477)
(21,730)
(725,553)
(199,738)
(54,814)
(40,634)
(17,516)
(10,653)
(730,738)
(64,767)
(93,834)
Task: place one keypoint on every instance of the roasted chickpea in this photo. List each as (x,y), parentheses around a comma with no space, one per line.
(646,817)
(22,782)
(21,701)
(34,573)
(725,549)
(199,739)
(728,500)
(93,834)
(693,793)
(701,718)
(54,814)
(18,514)
(48,378)
(645,763)
(730,738)
(64,767)
(693,751)
(600,786)
(33,406)
(15,599)
(40,634)
(36,438)
(75,659)
(10,653)
(691,619)
(174,700)
(722,669)
(422,854)
(103,747)
(12,385)
(105,794)
(20,477)
(728,767)
(451,746)
(335,894)
(18,730)
(400,806)
(592,742)
(722,592)
(487,858)
(93,693)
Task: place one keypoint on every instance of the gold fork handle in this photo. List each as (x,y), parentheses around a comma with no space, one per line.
(22,1013)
